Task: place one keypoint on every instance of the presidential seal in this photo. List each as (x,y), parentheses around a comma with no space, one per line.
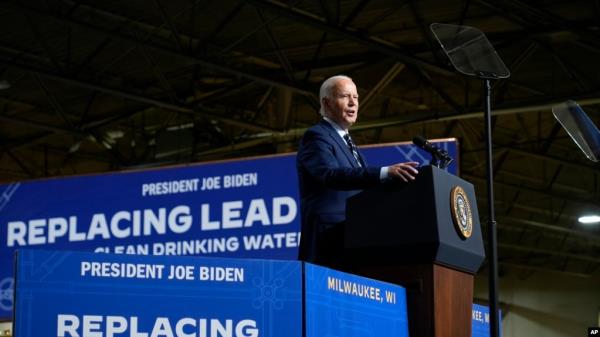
(461,212)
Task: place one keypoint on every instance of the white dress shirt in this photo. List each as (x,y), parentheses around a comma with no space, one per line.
(383,173)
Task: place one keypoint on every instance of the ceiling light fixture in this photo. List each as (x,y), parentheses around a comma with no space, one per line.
(589,219)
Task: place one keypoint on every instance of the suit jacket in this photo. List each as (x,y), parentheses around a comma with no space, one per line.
(328,175)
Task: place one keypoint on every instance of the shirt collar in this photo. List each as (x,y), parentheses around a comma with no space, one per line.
(337,128)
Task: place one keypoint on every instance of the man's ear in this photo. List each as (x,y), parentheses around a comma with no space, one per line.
(325,103)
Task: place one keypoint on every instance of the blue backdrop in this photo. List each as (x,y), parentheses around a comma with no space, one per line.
(244,208)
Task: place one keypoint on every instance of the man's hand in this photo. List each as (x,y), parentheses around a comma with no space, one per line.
(404,171)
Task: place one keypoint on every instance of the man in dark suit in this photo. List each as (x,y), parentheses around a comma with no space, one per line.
(330,170)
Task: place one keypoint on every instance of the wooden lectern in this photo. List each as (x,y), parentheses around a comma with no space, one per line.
(424,235)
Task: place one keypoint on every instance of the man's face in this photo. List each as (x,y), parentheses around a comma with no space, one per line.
(342,105)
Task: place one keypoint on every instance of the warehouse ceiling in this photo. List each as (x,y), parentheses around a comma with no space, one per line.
(96,86)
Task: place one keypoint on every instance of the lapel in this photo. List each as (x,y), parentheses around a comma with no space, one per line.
(340,143)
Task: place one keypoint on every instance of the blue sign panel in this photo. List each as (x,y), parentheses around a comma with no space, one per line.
(341,304)
(480,326)
(86,294)
(245,208)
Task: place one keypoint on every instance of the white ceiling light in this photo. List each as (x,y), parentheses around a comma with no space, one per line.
(587,219)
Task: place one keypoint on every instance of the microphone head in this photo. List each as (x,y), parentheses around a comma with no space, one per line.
(419,141)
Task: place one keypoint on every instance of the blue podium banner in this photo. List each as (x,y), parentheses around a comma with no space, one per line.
(247,208)
(342,304)
(77,294)
(480,326)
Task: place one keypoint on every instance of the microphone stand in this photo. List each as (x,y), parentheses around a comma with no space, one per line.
(441,159)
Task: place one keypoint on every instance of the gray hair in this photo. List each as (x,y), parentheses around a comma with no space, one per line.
(326,88)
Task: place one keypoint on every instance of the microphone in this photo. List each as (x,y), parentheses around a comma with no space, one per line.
(423,143)
(440,157)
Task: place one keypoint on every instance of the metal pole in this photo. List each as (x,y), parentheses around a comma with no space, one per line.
(492,241)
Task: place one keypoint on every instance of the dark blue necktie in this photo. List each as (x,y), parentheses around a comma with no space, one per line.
(352,148)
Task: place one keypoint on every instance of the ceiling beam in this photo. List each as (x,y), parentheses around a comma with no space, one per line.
(388,77)
(582,235)
(171,25)
(39,125)
(136,97)
(593,168)
(128,39)
(426,117)
(20,163)
(543,269)
(321,24)
(544,192)
(553,252)
(565,189)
